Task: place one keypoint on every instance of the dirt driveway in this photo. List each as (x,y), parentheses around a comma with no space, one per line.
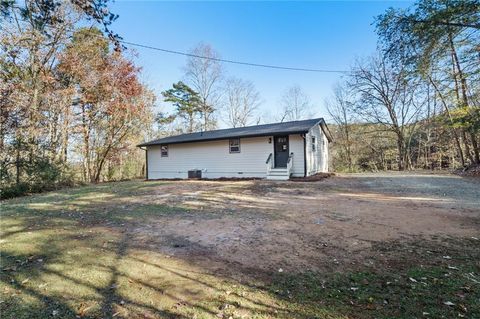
(333,224)
(351,246)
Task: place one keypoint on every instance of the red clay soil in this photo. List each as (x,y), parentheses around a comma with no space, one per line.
(337,222)
(313,178)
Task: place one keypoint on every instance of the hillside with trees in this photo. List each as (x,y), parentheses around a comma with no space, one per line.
(416,102)
(74,106)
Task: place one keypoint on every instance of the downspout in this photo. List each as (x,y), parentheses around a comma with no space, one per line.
(304,155)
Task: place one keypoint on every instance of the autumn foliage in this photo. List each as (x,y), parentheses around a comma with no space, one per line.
(72,107)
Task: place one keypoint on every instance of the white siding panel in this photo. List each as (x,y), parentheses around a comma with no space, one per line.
(215,160)
(296,147)
(317,161)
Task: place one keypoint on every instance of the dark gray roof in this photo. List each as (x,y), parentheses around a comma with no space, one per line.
(295,127)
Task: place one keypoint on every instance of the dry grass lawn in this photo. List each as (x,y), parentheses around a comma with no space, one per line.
(351,246)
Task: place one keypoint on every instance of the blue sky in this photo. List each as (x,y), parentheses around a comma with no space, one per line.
(321,34)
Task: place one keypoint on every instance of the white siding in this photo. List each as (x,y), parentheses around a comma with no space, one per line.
(317,161)
(295,144)
(215,160)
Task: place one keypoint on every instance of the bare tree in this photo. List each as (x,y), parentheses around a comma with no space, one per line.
(295,105)
(204,74)
(388,98)
(242,101)
(340,109)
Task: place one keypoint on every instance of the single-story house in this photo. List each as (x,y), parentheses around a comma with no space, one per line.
(272,151)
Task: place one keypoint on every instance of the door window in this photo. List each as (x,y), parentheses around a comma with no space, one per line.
(281,144)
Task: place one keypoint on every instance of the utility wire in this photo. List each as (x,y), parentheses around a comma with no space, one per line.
(267,66)
(278,67)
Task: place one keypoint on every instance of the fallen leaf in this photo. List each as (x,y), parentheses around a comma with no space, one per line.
(83,311)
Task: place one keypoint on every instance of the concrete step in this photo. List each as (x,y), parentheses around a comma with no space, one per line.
(278,174)
(278,177)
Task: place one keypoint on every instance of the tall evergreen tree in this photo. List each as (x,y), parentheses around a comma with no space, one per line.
(187,102)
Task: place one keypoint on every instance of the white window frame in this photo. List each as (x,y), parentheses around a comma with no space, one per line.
(236,144)
(314,143)
(164,148)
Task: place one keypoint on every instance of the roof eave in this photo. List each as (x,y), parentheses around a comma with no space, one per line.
(326,130)
(221,138)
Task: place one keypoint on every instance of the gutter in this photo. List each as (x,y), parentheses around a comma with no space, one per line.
(220,138)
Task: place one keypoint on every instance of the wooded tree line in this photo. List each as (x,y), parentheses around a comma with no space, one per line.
(72,107)
(416,102)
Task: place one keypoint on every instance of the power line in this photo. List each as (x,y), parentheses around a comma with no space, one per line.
(267,66)
(278,67)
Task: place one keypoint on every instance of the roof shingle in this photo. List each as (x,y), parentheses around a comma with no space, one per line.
(294,127)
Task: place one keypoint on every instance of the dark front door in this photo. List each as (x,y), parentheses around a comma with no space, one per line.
(281,151)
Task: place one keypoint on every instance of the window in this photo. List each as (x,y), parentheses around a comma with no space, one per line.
(164,150)
(281,144)
(314,143)
(235,145)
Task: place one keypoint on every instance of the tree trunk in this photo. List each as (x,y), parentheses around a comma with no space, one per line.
(190,123)
(447,110)
(463,88)
(86,146)
(401,151)
(348,148)
(205,120)
(17,165)
(101,163)
(476,151)
(464,134)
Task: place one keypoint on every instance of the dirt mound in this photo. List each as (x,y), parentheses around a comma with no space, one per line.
(470,171)
(312,178)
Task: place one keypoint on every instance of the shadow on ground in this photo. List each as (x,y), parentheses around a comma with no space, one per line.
(79,253)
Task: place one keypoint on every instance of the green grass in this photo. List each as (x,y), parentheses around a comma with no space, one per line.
(75,253)
(414,293)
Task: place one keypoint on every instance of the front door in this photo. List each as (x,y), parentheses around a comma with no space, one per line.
(281,151)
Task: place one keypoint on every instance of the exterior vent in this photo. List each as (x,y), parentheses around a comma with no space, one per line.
(195,173)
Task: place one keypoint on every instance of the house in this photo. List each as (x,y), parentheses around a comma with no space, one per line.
(272,151)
